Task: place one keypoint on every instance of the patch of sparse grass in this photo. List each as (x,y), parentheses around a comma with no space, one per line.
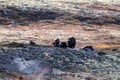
(102,46)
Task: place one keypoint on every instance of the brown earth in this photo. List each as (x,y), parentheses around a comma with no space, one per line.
(44,34)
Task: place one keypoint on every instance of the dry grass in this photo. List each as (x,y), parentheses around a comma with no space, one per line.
(106,46)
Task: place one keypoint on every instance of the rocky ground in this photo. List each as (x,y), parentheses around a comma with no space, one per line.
(96,24)
(51,63)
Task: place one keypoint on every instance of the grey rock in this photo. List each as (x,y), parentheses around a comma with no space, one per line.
(62,60)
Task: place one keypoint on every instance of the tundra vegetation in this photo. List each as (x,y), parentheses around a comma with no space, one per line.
(59,39)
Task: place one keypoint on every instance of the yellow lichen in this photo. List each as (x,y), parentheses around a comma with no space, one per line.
(105,46)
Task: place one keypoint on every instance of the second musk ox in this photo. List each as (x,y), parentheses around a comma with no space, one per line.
(88,48)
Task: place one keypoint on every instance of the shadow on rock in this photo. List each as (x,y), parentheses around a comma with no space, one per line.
(102,20)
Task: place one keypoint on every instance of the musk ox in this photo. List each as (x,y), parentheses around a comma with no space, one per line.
(56,43)
(71,42)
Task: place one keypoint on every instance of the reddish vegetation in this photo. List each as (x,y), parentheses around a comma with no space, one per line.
(45,35)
